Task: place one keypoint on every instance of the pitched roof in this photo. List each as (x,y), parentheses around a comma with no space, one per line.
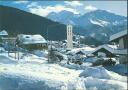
(106,47)
(118,35)
(3,33)
(31,39)
(112,49)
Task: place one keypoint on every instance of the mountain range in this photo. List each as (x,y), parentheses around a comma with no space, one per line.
(99,24)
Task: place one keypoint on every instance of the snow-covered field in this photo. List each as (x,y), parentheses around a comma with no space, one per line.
(34,73)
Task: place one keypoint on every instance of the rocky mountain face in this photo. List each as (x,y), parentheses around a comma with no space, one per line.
(64,17)
(99,24)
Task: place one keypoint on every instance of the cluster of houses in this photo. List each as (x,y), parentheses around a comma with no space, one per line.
(37,42)
(118,49)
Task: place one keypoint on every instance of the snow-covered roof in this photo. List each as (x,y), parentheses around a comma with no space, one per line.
(118,35)
(85,50)
(111,48)
(3,33)
(31,39)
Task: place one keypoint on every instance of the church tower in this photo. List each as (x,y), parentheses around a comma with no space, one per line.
(69,36)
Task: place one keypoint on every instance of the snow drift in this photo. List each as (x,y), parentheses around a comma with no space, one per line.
(96,72)
(44,76)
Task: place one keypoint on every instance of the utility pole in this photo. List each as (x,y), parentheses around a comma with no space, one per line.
(15,49)
(17,52)
(8,48)
(18,55)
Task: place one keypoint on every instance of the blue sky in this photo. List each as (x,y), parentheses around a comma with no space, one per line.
(43,8)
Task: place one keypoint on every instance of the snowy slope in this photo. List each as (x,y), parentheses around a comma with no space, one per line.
(34,73)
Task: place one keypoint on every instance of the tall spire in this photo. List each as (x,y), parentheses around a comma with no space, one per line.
(69,36)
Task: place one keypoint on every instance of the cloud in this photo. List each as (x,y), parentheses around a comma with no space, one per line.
(45,10)
(73,3)
(21,2)
(33,4)
(90,8)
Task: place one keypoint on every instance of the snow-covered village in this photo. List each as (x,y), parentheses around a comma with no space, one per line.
(34,61)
